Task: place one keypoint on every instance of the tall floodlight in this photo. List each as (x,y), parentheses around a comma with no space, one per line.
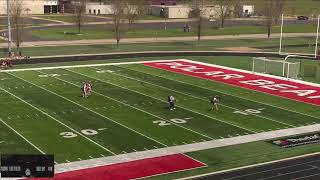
(280,43)
(9,26)
(317,38)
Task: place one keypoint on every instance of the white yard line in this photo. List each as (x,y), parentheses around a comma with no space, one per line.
(216,119)
(109,118)
(37,148)
(143,110)
(185,149)
(194,96)
(58,121)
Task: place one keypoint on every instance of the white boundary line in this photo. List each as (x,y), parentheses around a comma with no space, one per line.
(108,117)
(37,148)
(216,119)
(59,121)
(79,66)
(127,77)
(91,163)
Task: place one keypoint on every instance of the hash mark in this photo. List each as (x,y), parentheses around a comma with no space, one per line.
(102,155)
(134,150)
(101,129)
(184,142)
(56,162)
(67,160)
(155,147)
(221,137)
(91,157)
(80,159)
(124,152)
(203,140)
(145,148)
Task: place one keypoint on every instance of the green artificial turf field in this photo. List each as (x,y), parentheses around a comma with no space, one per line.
(43,112)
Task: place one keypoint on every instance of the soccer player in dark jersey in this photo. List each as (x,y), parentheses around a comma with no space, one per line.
(215,101)
(171,101)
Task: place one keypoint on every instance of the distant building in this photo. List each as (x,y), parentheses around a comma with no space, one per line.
(51,6)
(98,8)
(247,10)
(30,6)
(35,6)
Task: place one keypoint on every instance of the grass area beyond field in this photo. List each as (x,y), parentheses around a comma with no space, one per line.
(90,33)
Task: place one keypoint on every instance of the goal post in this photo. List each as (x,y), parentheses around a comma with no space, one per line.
(276,67)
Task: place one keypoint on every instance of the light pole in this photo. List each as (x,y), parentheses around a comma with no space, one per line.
(316,48)
(9,26)
(281,33)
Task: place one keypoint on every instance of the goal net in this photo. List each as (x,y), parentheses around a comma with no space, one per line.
(276,67)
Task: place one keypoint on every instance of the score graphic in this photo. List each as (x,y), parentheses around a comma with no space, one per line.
(15,165)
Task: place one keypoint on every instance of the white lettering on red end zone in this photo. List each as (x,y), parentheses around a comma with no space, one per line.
(295,90)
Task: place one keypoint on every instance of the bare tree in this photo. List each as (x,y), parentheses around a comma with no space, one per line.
(197,12)
(16,10)
(135,9)
(272,11)
(117,7)
(79,13)
(224,10)
(279,9)
(238,9)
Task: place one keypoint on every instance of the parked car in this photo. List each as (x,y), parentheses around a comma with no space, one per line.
(302,17)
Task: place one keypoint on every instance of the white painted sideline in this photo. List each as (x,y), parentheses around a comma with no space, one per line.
(79,66)
(140,62)
(78,165)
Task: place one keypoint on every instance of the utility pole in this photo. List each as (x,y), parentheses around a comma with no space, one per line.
(9,26)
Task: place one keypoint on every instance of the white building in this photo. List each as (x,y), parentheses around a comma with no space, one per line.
(177,11)
(34,6)
(247,10)
(30,6)
(97,8)
(183,11)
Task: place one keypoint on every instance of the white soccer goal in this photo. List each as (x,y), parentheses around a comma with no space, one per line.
(276,67)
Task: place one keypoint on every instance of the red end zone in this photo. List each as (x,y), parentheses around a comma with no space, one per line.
(133,169)
(299,91)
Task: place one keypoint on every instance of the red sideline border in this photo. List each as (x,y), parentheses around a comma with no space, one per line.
(124,171)
(235,83)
